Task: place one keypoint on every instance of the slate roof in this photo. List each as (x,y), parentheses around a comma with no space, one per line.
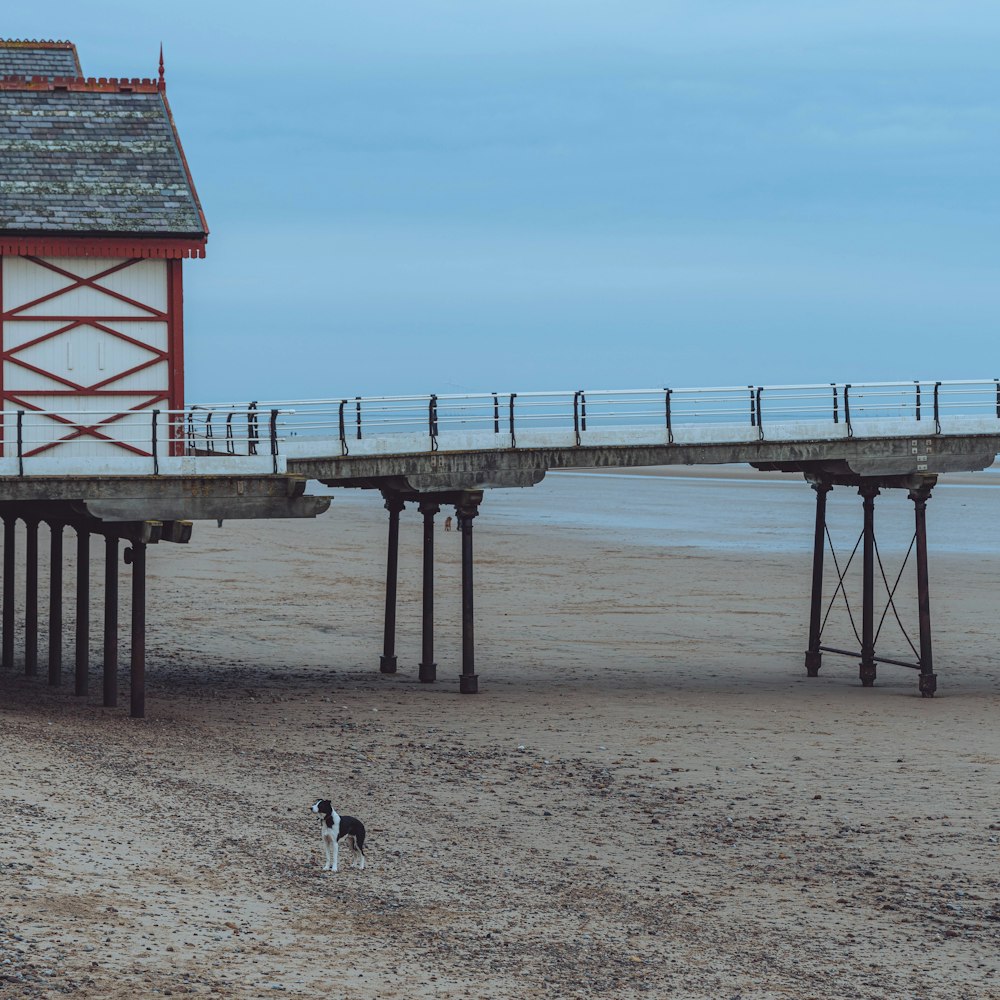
(95,157)
(48,59)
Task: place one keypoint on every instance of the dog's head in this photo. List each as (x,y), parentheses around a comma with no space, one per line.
(325,808)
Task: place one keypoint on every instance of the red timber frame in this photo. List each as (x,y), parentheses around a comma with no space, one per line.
(170,396)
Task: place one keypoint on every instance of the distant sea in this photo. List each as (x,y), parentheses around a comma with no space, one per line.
(738,513)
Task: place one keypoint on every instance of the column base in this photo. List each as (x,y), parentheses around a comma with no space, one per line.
(468,683)
(387,664)
(867,674)
(814,660)
(428,673)
(928,685)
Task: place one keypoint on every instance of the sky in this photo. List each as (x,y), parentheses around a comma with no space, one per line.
(415,196)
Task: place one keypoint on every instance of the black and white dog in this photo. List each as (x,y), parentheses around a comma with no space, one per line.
(333,827)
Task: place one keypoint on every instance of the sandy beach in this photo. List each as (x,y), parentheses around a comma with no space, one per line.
(648,798)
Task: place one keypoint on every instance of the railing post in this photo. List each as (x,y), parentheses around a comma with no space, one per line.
(20,442)
(274,440)
(156,457)
(344,450)
(576,416)
(760,417)
(513,437)
(253,435)
(753,408)
(432,420)
(937,409)
(357,415)
(666,404)
(847,409)
(917,384)
(836,414)
(496,414)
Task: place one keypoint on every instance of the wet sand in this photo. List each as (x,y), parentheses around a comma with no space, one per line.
(648,798)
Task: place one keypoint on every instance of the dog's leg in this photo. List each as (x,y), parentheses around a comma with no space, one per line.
(336,844)
(326,854)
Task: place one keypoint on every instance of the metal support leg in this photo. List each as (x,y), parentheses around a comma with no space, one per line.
(928,679)
(814,658)
(867,665)
(31,599)
(55,603)
(110,621)
(428,668)
(82,611)
(136,556)
(468,682)
(394,505)
(9,526)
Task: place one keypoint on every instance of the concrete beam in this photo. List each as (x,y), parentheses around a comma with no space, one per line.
(205,508)
(20,489)
(438,471)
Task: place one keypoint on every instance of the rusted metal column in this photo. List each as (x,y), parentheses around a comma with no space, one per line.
(868,493)
(110,621)
(428,668)
(55,602)
(928,679)
(82,611)
(9,535)
(31,598)
(468,682)
(136,556)
(814,658)
(394,505)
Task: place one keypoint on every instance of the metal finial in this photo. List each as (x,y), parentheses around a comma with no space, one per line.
(161,84)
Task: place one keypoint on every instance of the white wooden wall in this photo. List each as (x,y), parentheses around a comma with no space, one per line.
(78,348)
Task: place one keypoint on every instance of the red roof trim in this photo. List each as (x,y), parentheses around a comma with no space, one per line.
(99,246)
(97,85)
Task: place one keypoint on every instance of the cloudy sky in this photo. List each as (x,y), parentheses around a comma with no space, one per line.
(418,196)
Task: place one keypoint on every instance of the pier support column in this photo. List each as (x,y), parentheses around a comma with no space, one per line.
(814,658)
(31,598)
(9,535)
(868,493)
(110,621)
(55,602)
(466,510)
(136,557)
(428,668)
(394,505)
(928,679)
(82,611)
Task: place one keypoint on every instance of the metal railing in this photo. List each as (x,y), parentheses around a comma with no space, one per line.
(270,432)
(842,407)
(149,437)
